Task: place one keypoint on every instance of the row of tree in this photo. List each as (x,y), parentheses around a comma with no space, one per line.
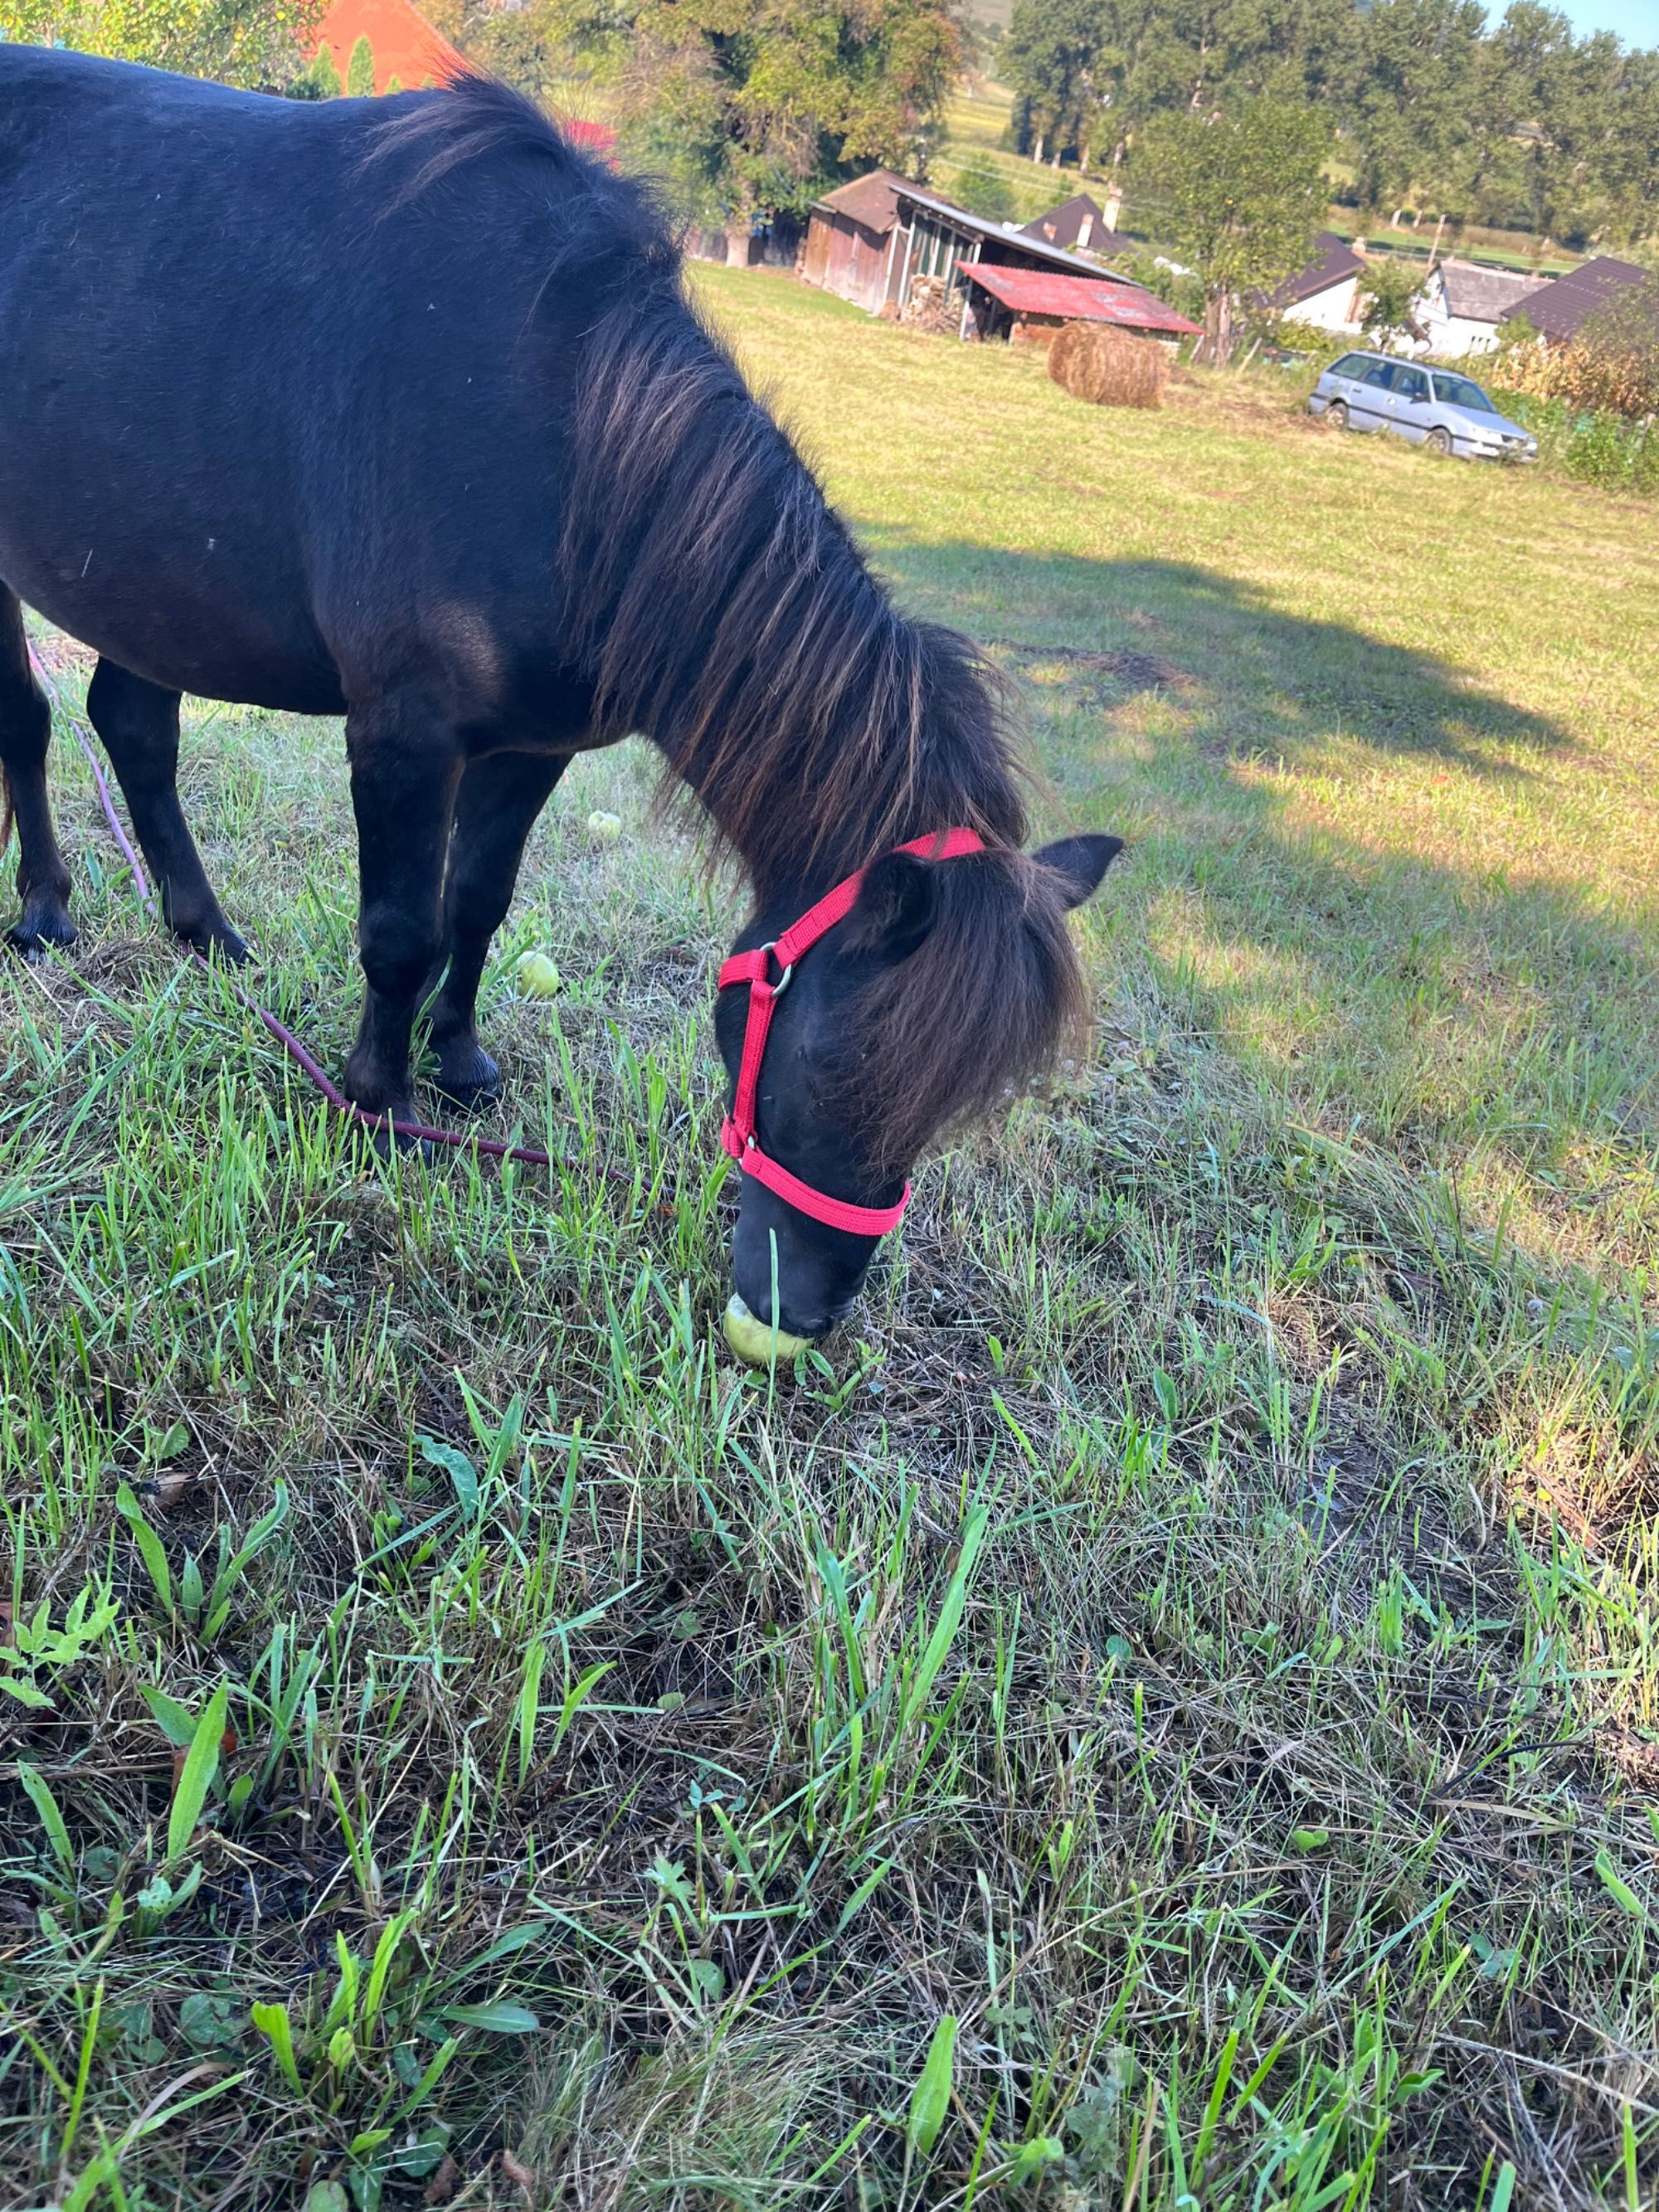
(1519,122)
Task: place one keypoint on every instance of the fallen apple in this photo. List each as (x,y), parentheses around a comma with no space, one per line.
(604,828)
(758,1343)
(538,977)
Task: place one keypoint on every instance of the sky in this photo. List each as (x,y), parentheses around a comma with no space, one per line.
(1637,22)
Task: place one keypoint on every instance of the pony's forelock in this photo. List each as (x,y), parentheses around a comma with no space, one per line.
(986,1003)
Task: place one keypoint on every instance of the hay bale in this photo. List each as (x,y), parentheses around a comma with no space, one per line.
(1105,366)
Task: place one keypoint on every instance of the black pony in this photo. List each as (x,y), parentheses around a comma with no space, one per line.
(397,410)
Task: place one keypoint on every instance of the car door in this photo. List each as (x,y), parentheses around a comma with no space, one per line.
(1410,410)
(1373,398)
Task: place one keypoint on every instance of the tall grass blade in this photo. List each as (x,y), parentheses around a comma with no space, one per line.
(196,1776)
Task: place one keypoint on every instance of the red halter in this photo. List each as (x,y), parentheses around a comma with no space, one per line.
(737,1131)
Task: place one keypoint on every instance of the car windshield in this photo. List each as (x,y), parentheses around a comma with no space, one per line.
(1463,391)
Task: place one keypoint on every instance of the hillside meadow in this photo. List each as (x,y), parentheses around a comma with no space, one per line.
(1164,1710)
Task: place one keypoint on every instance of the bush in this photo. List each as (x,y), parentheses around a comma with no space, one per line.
(359,70)
(1184,294)
(1612,365)
(1595,444)
(983,189)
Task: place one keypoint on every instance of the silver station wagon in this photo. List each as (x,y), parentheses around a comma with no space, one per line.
(1434,407)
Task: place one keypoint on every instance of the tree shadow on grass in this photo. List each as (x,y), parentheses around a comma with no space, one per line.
(1447,1000)
(1272,681)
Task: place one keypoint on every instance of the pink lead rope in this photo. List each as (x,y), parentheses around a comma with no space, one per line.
(738,1130)
(496,1148)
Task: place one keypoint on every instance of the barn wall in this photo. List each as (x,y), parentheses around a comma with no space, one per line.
(843,257)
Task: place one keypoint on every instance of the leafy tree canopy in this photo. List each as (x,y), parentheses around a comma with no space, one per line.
(255,43)
(756,106)
(1241,195)
(1516,119)
(359,70)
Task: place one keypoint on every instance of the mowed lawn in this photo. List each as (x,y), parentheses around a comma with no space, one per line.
(1164,1714)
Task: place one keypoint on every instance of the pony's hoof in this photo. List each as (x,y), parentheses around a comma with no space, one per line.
(215,941)
(472,1086)
(41,931)
(396,1137)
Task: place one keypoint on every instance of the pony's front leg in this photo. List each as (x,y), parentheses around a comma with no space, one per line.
(501,797)
(405,766)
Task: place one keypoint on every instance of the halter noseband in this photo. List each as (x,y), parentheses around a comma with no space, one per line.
(737,1131)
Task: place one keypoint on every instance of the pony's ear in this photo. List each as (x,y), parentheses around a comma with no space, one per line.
(1079,862)
(895,908)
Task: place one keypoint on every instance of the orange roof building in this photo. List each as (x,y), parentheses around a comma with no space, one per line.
(408,52)
(404,44)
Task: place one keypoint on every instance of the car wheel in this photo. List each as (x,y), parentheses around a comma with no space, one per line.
(1337,414)
(1442,442)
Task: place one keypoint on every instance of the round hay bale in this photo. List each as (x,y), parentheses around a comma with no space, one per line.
(1105,366)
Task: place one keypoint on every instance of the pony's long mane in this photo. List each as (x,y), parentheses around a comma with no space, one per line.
(717,603)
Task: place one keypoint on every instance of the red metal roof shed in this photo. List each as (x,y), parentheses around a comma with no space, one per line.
(1077,299)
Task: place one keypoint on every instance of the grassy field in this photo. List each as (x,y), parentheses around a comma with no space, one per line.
(1167,1714)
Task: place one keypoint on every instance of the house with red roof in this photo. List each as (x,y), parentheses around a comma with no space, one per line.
(408,53)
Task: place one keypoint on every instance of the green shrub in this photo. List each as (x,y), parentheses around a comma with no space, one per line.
(1594,444)
(359,70)
(325,76)
(980,187)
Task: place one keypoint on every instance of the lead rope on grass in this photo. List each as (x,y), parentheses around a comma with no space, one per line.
(493,1147)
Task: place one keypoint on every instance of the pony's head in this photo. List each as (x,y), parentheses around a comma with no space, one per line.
(950,983)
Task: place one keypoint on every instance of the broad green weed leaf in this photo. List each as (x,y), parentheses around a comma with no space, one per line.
(456,1466)
(52,1819)
(930,2100)
(196,1776)
(494,2019)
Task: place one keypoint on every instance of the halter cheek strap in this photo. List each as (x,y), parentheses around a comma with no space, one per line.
(737,1131)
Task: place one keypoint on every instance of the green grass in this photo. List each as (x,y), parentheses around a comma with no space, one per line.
(1197,1638)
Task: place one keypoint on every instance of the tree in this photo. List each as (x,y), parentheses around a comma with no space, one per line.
(980,187)
(1241,195)
(259,44)
(325,76)
(1413,98)
(753,107)
(359,70)
(1388,292)
(1049,58)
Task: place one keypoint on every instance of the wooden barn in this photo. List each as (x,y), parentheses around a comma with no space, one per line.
(897,249)
(848,236)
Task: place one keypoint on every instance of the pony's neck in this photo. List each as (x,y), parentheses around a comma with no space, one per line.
(715,601)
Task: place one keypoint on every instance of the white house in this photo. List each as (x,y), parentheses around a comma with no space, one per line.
(1326,293)
(1461,304)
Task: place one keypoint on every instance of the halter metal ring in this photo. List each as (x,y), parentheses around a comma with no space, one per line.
(778,988)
